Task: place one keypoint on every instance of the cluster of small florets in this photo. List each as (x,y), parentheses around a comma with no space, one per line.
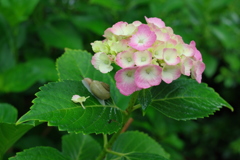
(147,54)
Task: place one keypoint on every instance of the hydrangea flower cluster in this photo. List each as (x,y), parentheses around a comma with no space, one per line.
(147,53)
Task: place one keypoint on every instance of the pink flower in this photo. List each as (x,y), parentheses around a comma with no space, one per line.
(123,29)
(170,73)
(170,56)
(142,58)
(125,59)
(186,65)
(102,62)
(197,70)
(125,81)
(143,38)
(156,21)
(147,76)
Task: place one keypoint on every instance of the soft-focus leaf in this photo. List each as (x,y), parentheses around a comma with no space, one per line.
(16,11)
(61,36)
(115,5)
(79,146)
(54,105)
(185,99)
(211,63)
(23,76)
(76,65)
(8,114)
(136,142)
(39,153)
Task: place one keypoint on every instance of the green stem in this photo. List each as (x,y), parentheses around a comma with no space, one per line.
(108,145)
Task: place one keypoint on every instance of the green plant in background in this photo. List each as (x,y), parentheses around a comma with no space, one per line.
(34,35)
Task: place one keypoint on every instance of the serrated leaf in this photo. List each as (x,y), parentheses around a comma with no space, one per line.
(79,146)
(24,75)
(54,105)
(39,153)
(8,113)
(185,99)
(76,65)
(136,142)
(144,98)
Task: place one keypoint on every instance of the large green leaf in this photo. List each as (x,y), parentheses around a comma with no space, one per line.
(186,99)
(134,142)
(16,11)
(39,153)
(76,65)
(54,105)
(9,132)
(23,76)
(79,146)
(144,98)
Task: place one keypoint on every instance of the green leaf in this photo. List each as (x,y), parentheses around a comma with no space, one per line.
(9,132)
(8,113)
(136,142)
(54,105)
(23,76)
(39,153)
(76,65)
(142,156)
(144,98)
(61,35)
(16,11)
(79,146)
(185,99)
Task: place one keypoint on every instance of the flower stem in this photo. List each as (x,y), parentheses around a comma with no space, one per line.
(108,144)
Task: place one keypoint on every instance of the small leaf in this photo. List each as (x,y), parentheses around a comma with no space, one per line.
(185,99)
(8,113)
(136,142)
(76,65)
(54,105)
(39,153)
(79,146)
(145,98)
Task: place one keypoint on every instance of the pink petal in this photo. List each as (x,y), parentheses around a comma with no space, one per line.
(170,56)
(170,73)
(147,76)
(197,70)
(125,59)
(142,58)
(162,36)
(186,65)
(156,21)
(188,50)
(143,38)
(123,29)
(125,81)
(158,49)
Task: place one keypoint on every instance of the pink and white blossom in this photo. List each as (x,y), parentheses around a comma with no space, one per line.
(148,75)
(197,70)
(142,58)
(125,59)
(156,21)
(102,62)
(170,56)
(143,38)
(125,81)
(170,73)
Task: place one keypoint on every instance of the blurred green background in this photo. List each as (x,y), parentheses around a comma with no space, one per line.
(34,33)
